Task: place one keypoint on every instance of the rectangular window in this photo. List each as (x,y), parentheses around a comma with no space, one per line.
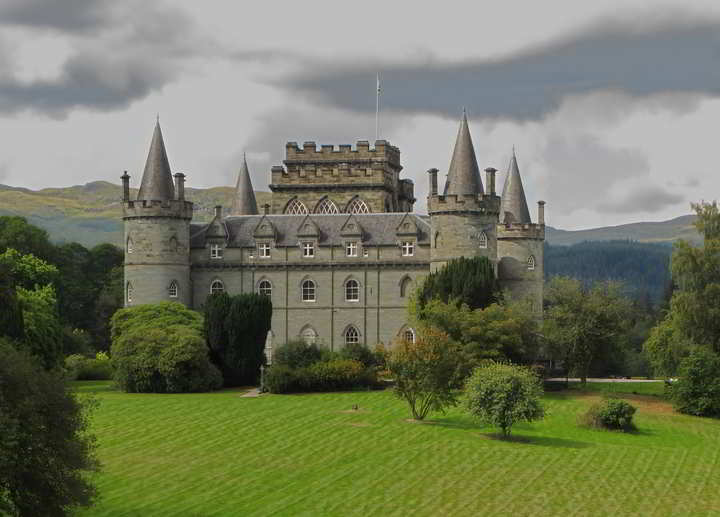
(308,249)
(216,251)
(264,250)
(408,249)
(351,249)
(366,253)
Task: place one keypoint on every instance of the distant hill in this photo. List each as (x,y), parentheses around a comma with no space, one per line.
(91,214)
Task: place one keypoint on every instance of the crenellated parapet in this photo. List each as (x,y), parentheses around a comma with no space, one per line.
(169,208)
(483,204)
(309,152)
(531,231)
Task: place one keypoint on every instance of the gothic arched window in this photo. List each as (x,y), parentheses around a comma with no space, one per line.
(309,335)
(352,336)
(409,335)
(308,291)
(265,287)
(352,291)
(173,289)
(217,287)
(531,263)
(296,207)
(404,286)
(129,292)
(483,240)
(326,207)
(358,206)
(129,245)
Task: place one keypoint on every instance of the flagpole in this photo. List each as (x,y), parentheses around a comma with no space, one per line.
(377,109)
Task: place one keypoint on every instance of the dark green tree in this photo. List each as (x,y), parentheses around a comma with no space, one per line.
(469,281)
(11,315)
(17,233)
(246,326)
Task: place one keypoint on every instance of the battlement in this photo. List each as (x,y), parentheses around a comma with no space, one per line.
(521,231)
(309,152)
(339,173)
(485,203)
(175,208)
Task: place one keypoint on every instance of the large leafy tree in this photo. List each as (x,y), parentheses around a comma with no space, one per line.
(45,448)
(583,323)
(17,233)
(43,330)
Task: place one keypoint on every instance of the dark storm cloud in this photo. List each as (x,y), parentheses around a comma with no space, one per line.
(675,53)
(65,15)
(648,198)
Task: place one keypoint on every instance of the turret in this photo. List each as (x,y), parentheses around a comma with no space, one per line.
(157,233)
(520,242)
(244,199)
(463,219)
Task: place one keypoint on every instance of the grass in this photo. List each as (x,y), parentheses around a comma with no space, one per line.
(222,454)
(637,388)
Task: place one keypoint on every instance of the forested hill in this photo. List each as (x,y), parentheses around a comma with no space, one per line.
(644,267)
(659,232)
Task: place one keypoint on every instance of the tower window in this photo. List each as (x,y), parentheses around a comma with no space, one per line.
(129,292)
(358,206)
(217,287)
(404,286)
(308,249)
(408,248)
(531,263)
(129,245)
(264,250)
(308,291)
(265,288)
(216,252)
(173,289)
(483,240)
(352,291)
(296,207)
(352,336)
(409,335)
(351,249)
(326,207)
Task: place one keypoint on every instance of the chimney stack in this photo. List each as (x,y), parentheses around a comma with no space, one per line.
(490,180)
(433,181)
(541,212)
(180,186)
(126,186)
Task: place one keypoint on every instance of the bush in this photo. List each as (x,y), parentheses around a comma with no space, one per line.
(81,368)
(610,414)
(334,375)
(360,353)
(697,390)
(503,394)
(297,354)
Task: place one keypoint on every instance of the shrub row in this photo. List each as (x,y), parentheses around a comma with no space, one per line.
(81,368)
(332,375)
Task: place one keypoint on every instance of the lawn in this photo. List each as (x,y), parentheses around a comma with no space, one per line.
(222,454)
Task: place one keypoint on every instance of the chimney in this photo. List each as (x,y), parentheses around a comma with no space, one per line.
(180,186)
(541,212)
(433,181)
(218,212)
(266,208)
(126,186)
(490,180)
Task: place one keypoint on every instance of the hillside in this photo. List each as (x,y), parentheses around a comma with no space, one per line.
(91,214)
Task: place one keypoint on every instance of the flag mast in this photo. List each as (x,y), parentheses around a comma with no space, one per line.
(377,109)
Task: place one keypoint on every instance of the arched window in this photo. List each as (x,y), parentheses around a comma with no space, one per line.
(352,291)
(352,336)
(129,292)
(265,287)
(173,289)
(326,207)
(483,240)
(309,335)
(409,335)
(404,286)
(437,239)
(295,207)
(129,245)
(173,244)
(358,206)
(531,263)
(308,291)
(217,287)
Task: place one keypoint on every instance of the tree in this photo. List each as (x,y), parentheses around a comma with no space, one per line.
(11,315)
(666,347)
(502,394)
(28,270)
(17,233)
(697,390)
(45,448)
(583,323)
(427,372)
(43,329)
(469,281)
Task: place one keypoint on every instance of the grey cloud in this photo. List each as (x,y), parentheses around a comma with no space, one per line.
(649,198)
(65,15)
(647,56)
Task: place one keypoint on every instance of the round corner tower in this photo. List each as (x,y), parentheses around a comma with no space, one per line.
(157,233)
(463,219)
(520,242)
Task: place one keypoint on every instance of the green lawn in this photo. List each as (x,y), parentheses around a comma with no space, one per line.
(221,454)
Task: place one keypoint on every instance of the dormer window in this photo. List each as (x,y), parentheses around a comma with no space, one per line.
(216,252)
(351,249)
(308,249)
(264,250)
(408,248)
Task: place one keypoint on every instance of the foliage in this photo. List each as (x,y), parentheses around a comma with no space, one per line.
(583,323)
(17,233)
(333,375)
(360,353)
(697,390)
(45,448)
(28,270)
(246,325)
(666,346)
(611,413)
(81,368)
(161,348)
(43,330)
(11,314)
(297,353)
(216,310)
(427,372)
(501,395)
(469,281)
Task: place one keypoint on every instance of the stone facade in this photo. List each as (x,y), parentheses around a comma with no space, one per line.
(341,266)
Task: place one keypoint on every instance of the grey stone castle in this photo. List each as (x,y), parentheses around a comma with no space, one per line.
(339,249)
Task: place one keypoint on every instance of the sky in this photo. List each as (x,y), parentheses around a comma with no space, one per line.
(612,107)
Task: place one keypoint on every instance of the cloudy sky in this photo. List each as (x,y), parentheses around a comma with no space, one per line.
(613,106)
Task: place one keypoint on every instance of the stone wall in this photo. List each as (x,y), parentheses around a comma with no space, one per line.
(515,245)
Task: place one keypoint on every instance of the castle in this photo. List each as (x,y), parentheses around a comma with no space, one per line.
(339,249)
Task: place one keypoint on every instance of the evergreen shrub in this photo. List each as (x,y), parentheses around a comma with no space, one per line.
(697,390)
(359,352)
(333,375)
(297,353)
(611,413)
(81,368)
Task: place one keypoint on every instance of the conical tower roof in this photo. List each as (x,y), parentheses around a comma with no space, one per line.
(244,200)
(513,205)
(464,174)
(157,182)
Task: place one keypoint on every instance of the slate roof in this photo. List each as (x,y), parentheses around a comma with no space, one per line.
(244,199)
(157,182)
(463,176)
(378,229)
(513,205)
